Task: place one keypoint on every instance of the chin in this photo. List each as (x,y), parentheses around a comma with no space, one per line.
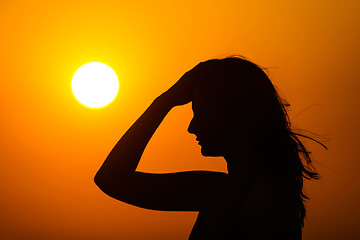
(206,152)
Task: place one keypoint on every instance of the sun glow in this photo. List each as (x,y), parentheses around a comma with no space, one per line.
(95,84)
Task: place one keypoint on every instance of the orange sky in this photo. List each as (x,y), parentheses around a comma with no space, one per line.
(51,146)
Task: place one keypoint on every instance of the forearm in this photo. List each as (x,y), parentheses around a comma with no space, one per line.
(125,156)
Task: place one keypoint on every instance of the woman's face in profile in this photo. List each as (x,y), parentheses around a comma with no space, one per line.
(209,125)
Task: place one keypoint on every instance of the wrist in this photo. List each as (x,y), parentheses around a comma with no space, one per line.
(165,101)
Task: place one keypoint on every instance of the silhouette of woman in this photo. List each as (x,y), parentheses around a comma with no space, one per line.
(238,115)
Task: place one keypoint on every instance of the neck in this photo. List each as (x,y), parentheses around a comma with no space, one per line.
(244,167)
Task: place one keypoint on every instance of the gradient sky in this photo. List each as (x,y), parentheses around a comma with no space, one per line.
(52,146)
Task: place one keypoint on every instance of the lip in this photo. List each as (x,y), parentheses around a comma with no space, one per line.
(200,140)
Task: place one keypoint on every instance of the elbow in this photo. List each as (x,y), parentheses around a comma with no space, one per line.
(106,185)
(105,182)
(108,182)
(103,185)
(99,180)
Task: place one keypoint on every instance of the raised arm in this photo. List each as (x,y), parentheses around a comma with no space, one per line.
(118,177)
(125,156)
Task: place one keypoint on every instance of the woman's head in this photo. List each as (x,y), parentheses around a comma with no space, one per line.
(234,103)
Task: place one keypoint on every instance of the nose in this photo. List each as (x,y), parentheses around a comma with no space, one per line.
(192,127)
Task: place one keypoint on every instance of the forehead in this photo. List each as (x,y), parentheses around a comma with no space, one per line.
(199,99)
(205,104)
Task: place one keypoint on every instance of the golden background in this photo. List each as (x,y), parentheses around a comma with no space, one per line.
(52,146)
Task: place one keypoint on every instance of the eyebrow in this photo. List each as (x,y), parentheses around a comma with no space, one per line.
(193,107)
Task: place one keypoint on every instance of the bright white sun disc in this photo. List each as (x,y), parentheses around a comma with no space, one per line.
(95,84)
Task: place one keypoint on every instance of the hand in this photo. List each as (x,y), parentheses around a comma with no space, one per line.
(181,92)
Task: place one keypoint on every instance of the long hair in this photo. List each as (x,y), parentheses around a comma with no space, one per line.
(245,92)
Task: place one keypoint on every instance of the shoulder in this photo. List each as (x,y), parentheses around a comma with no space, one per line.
(270,211)
(271,204)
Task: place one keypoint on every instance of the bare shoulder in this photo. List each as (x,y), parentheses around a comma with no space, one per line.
(270,206)
(269,195)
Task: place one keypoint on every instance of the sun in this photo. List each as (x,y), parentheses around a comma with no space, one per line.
(95,84)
